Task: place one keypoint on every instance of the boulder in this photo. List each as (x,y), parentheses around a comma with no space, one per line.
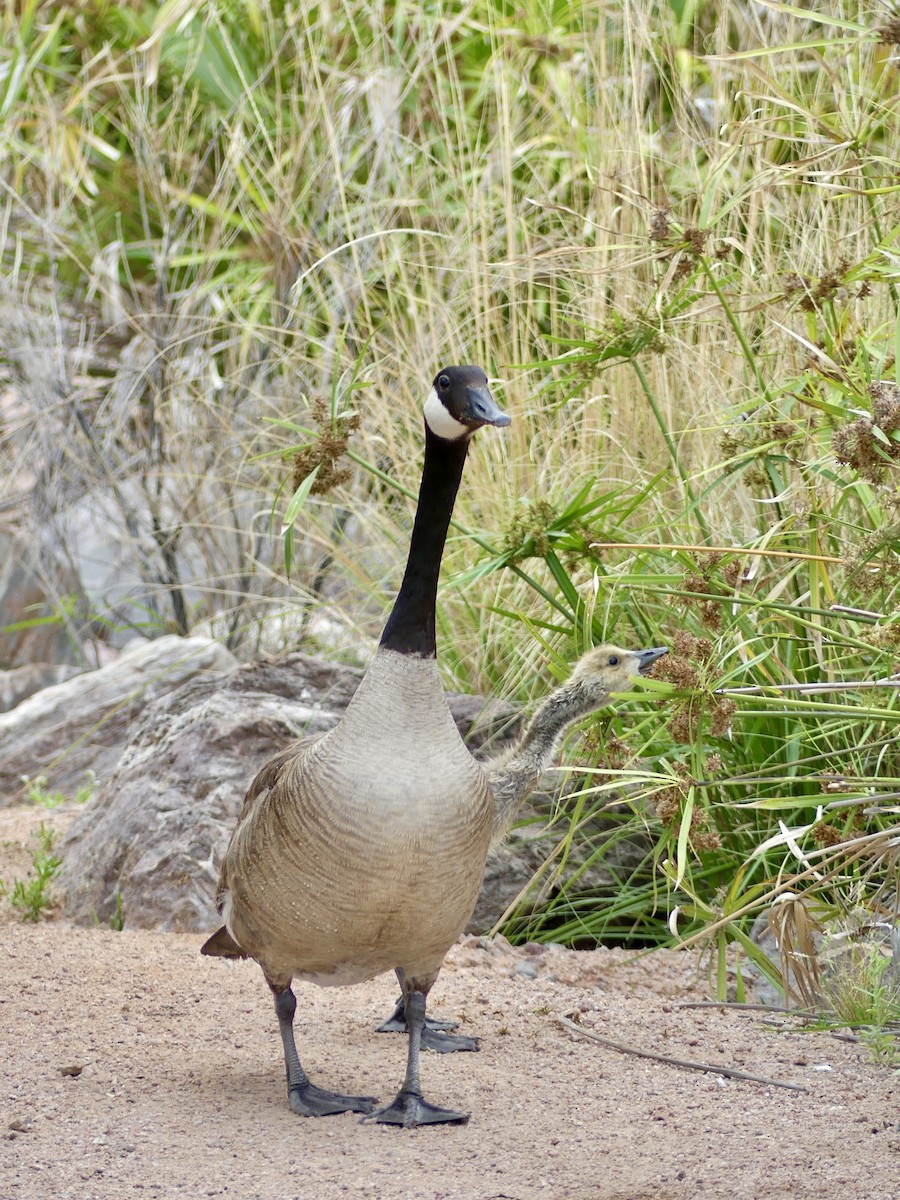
(82,725)
(148,846)
(19,683)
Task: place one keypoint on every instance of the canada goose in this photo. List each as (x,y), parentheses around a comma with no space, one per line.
(362,850)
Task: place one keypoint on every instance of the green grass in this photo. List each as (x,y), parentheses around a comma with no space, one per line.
(31,897)
(243,238)
(36,791)
(864,990)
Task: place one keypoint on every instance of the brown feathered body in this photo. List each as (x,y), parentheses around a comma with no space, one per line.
(362,850)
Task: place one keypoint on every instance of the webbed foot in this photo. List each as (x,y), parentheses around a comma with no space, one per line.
(446,1043)
(410,1109)
(396,1022)
(307,1100)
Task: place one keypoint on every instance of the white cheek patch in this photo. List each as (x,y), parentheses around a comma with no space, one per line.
(439,420)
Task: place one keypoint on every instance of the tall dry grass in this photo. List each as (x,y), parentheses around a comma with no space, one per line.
(233,232)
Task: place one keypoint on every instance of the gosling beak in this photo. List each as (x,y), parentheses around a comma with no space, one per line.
(481,409)
(646,658)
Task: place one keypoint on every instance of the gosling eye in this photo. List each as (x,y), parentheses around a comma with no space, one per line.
(443,383)
(613,660)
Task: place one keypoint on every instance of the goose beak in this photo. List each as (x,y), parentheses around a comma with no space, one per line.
(646,658)
(481,409)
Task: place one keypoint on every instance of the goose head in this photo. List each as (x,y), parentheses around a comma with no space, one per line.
(460,402)
(607,669)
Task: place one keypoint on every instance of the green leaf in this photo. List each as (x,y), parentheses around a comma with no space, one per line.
(683,832)
(818,17)
(297,501)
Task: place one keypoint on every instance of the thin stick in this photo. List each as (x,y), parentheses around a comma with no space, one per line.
(850,685)
(804,1014)
(856,612)
(674,1062)
(738,550)
(730,1004)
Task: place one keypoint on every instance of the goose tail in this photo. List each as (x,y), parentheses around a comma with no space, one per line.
(222,945)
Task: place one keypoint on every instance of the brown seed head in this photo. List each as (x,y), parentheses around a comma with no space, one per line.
(325,452)
(659,224)
(668,804)
(707,840)
(721,711)
(825,834)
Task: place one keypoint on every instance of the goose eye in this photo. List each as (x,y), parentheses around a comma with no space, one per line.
(613,660)
(443,383)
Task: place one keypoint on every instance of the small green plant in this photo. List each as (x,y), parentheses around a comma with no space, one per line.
(37,792)
(117,920)
(883,1046)
(863,990)
(31,896)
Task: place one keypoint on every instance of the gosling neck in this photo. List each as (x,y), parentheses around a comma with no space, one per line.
(410,627)
(539,742)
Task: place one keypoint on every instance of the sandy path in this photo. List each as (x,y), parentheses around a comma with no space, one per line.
(182,1093)
(182,1090)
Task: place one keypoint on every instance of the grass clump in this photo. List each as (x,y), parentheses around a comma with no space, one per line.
(863,989)
(31,897)
(37,792)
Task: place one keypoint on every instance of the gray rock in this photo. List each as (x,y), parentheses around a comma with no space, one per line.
(154,835)
(83,724)
(152,839)
(19,683)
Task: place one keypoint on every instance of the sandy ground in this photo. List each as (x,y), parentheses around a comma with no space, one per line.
(180,1090)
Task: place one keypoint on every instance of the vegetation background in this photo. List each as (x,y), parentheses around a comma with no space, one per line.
(238,238)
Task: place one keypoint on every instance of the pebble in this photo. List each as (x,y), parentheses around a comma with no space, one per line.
(526,970)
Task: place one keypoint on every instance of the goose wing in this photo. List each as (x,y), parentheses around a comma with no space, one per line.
(257,795)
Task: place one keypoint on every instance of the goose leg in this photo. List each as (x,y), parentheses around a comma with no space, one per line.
(409,1107)
(434,1032)
(396,1022)
(304,1097)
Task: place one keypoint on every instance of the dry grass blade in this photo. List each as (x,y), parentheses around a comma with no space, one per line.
(674,1062)
(794,930)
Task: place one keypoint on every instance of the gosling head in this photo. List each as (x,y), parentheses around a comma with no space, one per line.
(607,669)
(460,402)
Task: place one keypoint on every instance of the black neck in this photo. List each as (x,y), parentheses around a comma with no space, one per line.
(410,627)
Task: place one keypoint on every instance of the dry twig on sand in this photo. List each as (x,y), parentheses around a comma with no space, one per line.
(564,1021)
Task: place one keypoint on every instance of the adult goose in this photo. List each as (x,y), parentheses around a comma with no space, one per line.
(362,850)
